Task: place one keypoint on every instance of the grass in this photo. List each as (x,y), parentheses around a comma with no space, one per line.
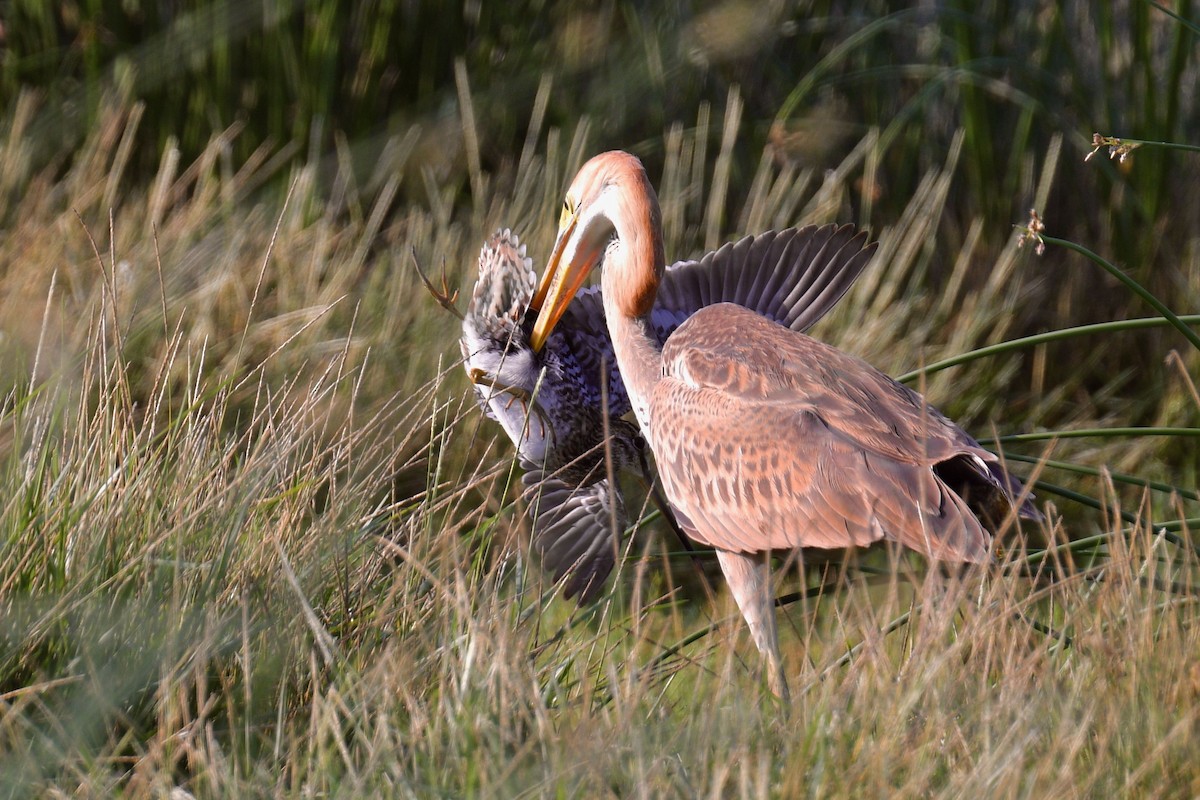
(258,540)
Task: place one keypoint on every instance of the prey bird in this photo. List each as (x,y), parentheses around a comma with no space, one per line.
(764,439)
(557,402)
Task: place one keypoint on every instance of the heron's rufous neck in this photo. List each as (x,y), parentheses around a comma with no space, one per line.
(633,268)
(634,344)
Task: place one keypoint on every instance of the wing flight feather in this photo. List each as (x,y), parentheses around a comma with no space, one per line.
(573,530)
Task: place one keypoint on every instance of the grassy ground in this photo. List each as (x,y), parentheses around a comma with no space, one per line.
(258,540)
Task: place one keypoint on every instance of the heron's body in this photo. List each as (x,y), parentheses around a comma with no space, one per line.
(764,438)
(557,402)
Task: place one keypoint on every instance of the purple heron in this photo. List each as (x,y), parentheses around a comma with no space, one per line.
(557,403)
(765,439)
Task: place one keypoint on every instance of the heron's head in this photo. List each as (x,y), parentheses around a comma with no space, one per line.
(610,215)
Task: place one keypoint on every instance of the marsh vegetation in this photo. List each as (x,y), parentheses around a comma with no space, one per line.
(258,539)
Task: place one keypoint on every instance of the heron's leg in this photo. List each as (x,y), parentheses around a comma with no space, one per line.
(749,578)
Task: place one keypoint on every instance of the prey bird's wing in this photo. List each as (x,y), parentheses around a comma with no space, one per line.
(576,530)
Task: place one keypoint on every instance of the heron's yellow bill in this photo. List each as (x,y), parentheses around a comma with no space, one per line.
(570,263)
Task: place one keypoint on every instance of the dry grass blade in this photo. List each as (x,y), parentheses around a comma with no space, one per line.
(446,298)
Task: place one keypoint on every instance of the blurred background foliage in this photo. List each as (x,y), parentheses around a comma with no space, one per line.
(245,374)
(444,103)
(447,97)
(812,76)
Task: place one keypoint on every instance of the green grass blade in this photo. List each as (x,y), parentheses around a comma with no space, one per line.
(1042,338)
(1084,433)
(1118,477)
(1131,284)
(1187,23)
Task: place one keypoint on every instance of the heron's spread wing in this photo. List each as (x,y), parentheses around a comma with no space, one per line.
(765,438)
(793,277)
(575,530)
